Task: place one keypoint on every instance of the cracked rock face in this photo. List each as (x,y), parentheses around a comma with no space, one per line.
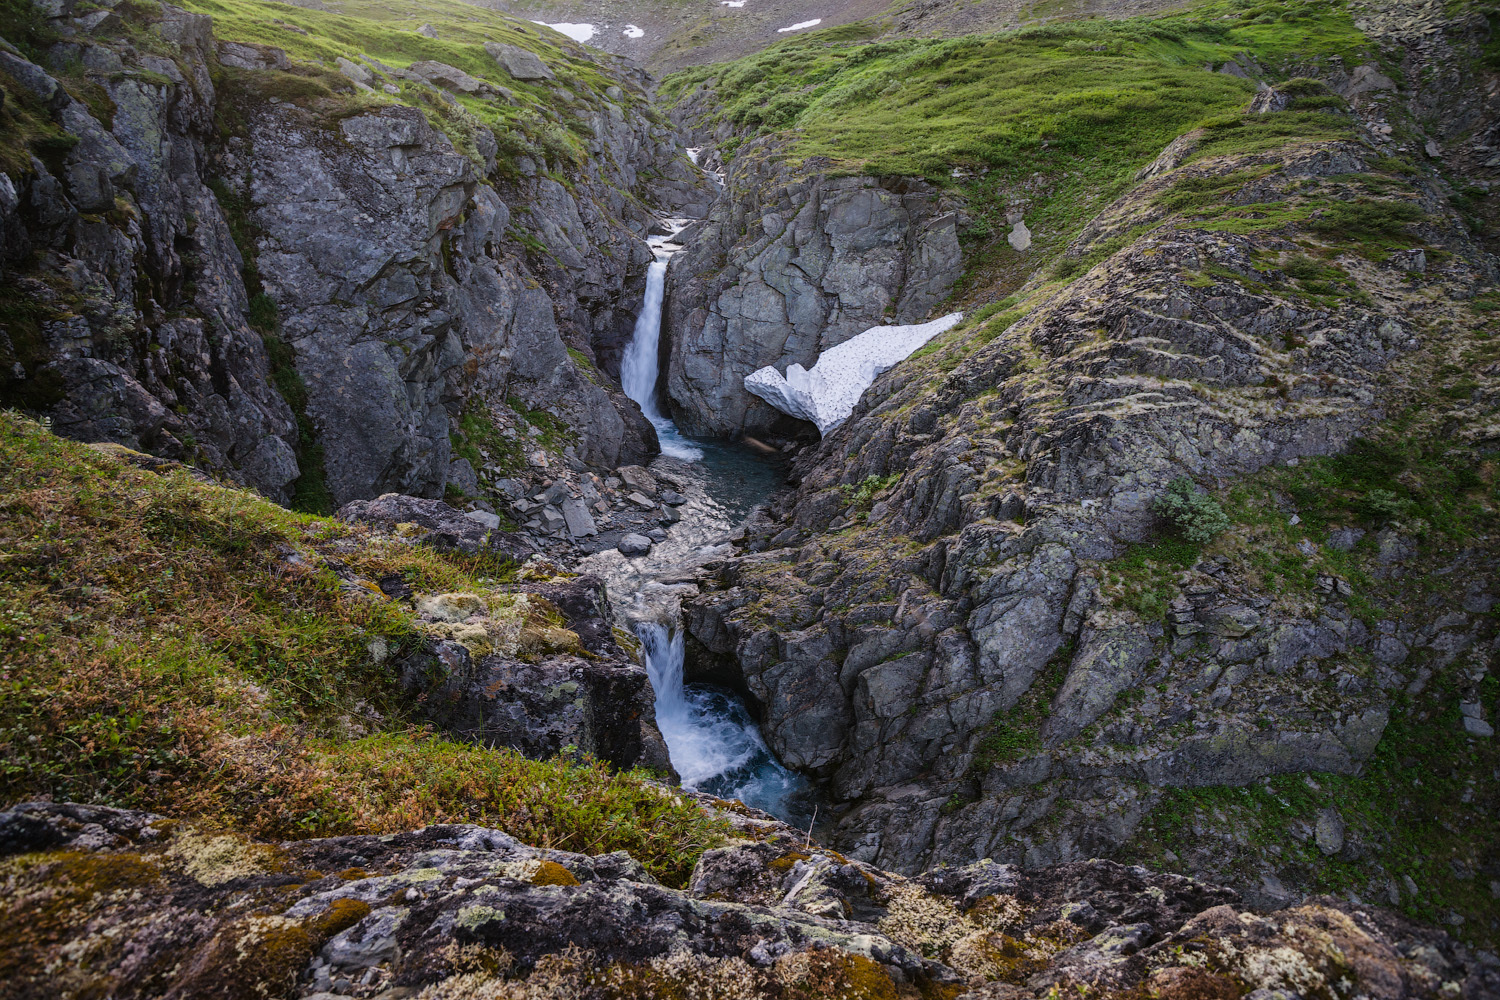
(149,346)
(787,265)
(109,901)
(402,280)
(888,640)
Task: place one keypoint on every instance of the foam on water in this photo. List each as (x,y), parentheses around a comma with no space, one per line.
(714,743)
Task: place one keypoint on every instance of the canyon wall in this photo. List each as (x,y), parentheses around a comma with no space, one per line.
(405,265)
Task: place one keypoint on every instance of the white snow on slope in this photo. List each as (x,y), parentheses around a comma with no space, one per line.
(802,24)
(577,32)
(826,395)
(731,3)
(631,31)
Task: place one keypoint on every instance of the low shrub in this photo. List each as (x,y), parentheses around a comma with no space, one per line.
(1197,516)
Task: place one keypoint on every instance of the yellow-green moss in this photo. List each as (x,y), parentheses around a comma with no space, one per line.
(552,873)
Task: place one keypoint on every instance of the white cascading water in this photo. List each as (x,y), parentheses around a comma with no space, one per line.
(714,743)
(639,367)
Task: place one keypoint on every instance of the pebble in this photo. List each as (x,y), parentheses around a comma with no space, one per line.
(490,521)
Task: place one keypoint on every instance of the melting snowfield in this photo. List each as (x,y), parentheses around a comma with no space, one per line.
(800,24)
(631,31)
(577,32)
(826,394)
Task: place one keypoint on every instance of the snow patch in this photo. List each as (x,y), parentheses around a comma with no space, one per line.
(577,32)
(731,3)
(801,24)
(631,31)
(826,394)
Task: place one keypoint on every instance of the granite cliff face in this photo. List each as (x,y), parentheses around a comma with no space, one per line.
(407,282)
(789,263)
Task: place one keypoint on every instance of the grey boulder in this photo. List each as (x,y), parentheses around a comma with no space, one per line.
(634,544)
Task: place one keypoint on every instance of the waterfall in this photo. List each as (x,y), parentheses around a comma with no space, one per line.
(713,740)
(639,368)
(714,743)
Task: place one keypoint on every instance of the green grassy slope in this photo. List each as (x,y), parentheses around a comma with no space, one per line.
(1059,116)
(541,119)
(184,647)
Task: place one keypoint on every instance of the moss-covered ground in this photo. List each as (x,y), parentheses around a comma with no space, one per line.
(184,647)
(1426,806)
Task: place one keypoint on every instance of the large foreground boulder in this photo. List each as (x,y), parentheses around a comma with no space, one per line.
(437,524)
(538,669)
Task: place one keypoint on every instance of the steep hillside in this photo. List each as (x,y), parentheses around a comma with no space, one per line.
(176,645)
(669,35)
(327,256)
(1085,576)
(180,646)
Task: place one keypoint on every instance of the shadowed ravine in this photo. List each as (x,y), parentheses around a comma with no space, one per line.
(714,742)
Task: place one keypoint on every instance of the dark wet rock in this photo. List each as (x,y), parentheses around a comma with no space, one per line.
(101,370)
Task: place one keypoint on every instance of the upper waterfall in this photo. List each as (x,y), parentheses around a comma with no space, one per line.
(640,365)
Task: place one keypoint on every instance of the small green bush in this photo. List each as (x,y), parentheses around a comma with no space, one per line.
(1197,516)
(863,495)
(1006,743)
(1385,505)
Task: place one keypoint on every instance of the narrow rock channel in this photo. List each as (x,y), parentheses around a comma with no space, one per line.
(714,741)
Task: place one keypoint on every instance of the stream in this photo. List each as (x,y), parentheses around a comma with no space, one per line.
(713,739)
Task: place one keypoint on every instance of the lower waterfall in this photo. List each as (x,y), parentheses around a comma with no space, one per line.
(715,745)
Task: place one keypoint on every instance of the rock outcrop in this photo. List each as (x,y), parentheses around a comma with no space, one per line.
(128,904)
(536,665)
(955,622)
(788,264)
(416,287)
(135,326)
(538,668)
